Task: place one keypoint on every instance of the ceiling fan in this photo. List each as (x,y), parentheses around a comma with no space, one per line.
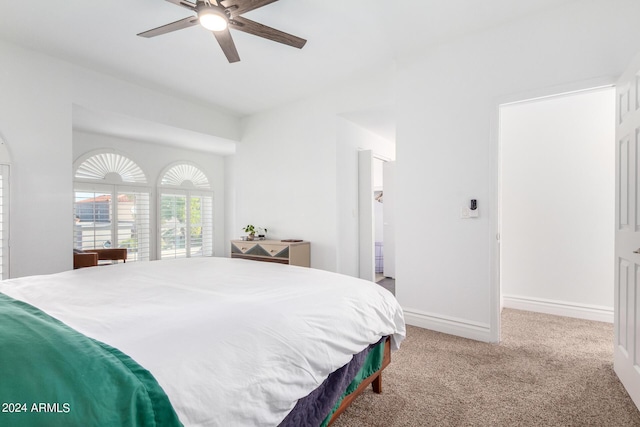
(219,16)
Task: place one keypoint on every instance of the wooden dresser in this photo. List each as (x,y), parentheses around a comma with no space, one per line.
(292,253)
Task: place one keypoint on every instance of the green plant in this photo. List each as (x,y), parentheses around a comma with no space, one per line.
(252,230)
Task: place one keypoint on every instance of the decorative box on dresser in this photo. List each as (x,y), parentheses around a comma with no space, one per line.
(292,253)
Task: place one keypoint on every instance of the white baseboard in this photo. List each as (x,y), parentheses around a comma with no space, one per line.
(559,308)
(448,325)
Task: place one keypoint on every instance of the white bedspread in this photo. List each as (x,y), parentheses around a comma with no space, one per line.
(232,342)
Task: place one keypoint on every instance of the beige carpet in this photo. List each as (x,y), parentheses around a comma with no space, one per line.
(548,371)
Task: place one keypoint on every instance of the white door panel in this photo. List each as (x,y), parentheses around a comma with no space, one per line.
(389,179)
(365,215)
(627,250)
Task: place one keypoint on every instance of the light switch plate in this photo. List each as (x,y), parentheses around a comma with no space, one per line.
(466,213)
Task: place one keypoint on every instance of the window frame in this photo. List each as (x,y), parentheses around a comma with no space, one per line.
(112,183)
(189,191)
(114,190)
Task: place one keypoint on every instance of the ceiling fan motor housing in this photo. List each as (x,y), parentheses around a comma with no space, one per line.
(214,18)
(214,7)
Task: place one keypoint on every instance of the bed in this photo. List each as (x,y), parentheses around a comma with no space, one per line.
(197,342)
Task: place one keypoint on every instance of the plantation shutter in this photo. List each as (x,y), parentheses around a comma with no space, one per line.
(105,221)
(173,223)
(201,226)
(93,219)
(186,213)
(207,226)
(133,230)
(111,210)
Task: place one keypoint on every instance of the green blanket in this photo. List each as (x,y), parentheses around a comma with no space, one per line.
(371,365)
(52,375)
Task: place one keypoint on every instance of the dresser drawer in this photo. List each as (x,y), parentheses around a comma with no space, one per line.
(279,251)
(287,252)
(242,247)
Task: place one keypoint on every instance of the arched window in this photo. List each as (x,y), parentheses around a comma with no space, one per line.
(111,204)
(186,213)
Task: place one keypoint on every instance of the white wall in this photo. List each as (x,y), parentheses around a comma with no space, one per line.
(350,139)
(232,226)
(296,168)
(285,178)
(557,204)
(154,165)
(36,124)
(103,93)
(447,148)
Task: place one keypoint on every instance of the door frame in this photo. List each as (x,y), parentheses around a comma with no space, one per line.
(496,194)
(389,218)
(366,244)
(366,218)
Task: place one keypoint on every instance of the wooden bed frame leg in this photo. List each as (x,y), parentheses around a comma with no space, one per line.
(377,384)
(375,381)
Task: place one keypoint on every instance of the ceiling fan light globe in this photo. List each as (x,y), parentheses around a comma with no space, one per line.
(213,20)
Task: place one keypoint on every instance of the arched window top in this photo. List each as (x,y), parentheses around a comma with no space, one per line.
(110,167)
(186,176)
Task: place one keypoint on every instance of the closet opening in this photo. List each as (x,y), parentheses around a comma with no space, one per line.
(556,204)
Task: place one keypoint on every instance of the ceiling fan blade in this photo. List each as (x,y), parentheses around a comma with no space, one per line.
(238,7)
(183,3)
(251,27)
(226,43)
(174,26)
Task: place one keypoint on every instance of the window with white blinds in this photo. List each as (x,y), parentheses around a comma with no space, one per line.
(115,218)
(4,221)
(186,213)
(108,211)
(200,224)
(134,225)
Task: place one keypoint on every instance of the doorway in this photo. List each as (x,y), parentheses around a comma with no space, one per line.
(556,199)
(384,223)
(378,217)
(376,243)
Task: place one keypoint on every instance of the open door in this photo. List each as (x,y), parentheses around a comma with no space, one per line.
(389,261)
(627,247)
(365,216)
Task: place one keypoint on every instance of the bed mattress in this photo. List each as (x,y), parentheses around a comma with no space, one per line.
(231,342)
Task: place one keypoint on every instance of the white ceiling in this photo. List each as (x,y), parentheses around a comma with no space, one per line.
(345,38)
